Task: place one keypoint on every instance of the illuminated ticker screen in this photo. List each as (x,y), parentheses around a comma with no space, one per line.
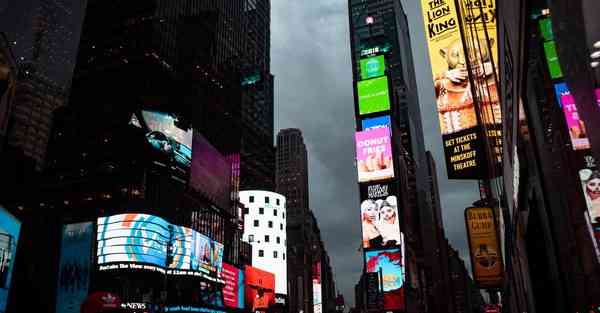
(372,67)
(373,95)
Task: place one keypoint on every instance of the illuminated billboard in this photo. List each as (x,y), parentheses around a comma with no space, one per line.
(75,257)
(577,130)
(390,264)
(461,134)
(484,247)
(552,60)
(374,155)
(233,291)
(195,252)
(372,67)
(590,182)
(380,218)
(10,228)
(210,172)
(260,289)
(316,288)
(165,136)
(376,122)
(132,238)
(373,95)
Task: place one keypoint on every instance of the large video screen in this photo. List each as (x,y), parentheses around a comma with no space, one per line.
(194,251)
(260,288)
(374,155)
(233,291)
(372,67)
(75,257)
(133,238)
(590,182)
(210,172)
(10,227)
(390,263)
(577,129)
(165,136)
(552,60)
(373,95)
(379,216)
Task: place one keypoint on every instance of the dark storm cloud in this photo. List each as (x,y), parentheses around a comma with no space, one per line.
(313,92)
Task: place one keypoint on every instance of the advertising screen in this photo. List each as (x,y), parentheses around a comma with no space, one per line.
(552,59)
(133,238)
(194,251)
(374,155)
(561,89)
(373,95)
(260,289)
(379,216)
(210,172)
(590,182)
(376,122)
(577,130)
(74,266)
(233,291)
(461,136)
(372,67)
(390,264)
(165,136)
(10,228)
(316,287)
(484,247)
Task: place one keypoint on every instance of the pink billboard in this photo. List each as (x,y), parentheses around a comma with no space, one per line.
(374,155)
(576,126)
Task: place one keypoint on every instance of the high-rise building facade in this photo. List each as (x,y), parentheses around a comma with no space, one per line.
(292,172)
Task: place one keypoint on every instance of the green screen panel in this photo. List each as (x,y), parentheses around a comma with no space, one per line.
(373,95)
(546,29)
(552,60)
(372,67)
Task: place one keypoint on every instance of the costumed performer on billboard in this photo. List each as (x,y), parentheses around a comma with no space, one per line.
(590,181)
(370,216)
(389,224)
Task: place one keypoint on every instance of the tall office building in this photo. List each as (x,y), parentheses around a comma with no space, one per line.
(379,34)
(258,154)
(292,173)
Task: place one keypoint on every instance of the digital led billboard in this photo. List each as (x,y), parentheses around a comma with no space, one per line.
(484,247)
(193,251)
(379,216)
(316,288)
(74,267)
(390,264)
(376,122)
(260,289)
(374,155)
(461,134)
(165,136)
(372,67)
(233,291)
(132,238)
(552,60)
(590,182)
(210,172)
(10,228)
(373,95)
(577,129)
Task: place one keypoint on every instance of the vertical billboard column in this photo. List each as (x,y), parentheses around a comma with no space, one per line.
(461,135)
(484,247)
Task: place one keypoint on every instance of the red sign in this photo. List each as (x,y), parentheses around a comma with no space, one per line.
(492,308)
(234,286)
(101,302)
(260,288)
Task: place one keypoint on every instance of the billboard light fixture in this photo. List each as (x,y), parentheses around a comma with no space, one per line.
(595,64)
(597,44)
(595,54)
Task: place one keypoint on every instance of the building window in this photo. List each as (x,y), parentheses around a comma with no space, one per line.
(255,223)
(278,239)
(267,199)
(275,254)
(283,215)
(261,253)
(246,211)
(261,210)
(270,224)
(267,239)
(251,199)
(281,226)
(284,256)
(277,201)
(274,212)
(250,238)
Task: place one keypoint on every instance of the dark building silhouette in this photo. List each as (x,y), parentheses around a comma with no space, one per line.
(292,173)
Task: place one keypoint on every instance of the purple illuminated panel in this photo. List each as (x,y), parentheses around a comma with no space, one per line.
(210,172)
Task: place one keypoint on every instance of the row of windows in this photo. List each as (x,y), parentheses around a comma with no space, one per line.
(267,200)
(262,211)
(261,253)
(267,239)
(270,224)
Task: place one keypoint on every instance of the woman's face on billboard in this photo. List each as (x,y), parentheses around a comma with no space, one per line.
(370,210)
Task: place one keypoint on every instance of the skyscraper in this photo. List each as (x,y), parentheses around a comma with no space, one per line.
(292,173)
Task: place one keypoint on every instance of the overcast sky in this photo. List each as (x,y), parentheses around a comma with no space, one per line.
(313,91)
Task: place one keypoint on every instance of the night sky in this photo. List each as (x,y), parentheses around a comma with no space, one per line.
(311,62)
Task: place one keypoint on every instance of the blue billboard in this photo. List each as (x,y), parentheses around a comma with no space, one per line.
(74,267)
(194,251)
(376,122)
(9,237)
